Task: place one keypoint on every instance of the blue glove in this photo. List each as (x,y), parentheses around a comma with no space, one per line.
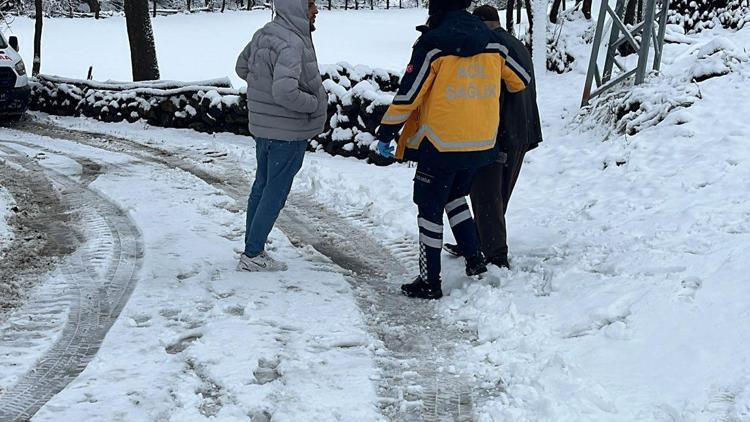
(385,149)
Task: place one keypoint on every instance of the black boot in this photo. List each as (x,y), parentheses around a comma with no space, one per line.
(422,289)
(499,261)
(452,249)
(475,265)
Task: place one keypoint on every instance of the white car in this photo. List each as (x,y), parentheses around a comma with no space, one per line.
(14,82)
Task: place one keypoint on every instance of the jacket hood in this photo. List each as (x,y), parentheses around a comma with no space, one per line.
(458,33)
(292,14)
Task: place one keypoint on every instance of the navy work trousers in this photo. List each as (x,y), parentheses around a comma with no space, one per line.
(438,190)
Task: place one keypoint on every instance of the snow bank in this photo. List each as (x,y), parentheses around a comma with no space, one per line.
(6,203)
(358,99)
(631,109)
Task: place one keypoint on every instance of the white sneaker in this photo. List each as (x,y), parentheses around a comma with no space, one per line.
(262,262)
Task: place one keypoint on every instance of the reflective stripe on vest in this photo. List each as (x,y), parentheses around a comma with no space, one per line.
(448,146)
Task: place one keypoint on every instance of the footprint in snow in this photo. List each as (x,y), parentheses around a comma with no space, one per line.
(689,288)
(267,371)
(235,310)
(182,344)
(140,320)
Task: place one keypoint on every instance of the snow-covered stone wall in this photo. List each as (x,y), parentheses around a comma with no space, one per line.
(357,100)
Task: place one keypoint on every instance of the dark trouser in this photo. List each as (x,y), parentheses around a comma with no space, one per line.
(278,163)
(438,190)
(490,195)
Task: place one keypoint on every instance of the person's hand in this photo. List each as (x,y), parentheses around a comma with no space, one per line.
(385,149)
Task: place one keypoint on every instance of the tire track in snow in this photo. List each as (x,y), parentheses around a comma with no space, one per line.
(98,280)
(416,382)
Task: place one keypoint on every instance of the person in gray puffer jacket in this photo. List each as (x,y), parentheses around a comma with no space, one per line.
(287,106)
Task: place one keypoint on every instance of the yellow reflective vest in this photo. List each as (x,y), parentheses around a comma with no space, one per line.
(453,101)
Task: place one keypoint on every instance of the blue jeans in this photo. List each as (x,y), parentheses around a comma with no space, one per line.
(278,163)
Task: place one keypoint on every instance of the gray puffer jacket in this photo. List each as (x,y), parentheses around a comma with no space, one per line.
(285,96)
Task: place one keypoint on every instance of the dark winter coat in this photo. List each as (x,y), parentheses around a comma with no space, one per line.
(285,95)
(520,126)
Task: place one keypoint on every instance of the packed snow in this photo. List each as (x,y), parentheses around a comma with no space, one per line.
(626,299)
(6,203)
(198,339)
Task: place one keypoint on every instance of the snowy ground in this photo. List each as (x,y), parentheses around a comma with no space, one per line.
(209,341)
(6,203)
(626,300)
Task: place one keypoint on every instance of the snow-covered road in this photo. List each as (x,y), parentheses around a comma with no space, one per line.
(91,287)
(325,335)
(197,339)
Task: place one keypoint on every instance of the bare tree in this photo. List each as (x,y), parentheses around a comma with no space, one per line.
(555,10)
(141,37)
(587,8)
(95,7)
(37,37)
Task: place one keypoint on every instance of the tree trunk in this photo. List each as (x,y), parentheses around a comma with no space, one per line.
(94,7)
(37,37)
(346,4)
(519,5)
(630,11)
(509,15)
(530,16)
(141,37)
(189,5)
(555,10)
(538,29)
(640,10)
(587,9)
(154,8)
(330,6)
(223,5)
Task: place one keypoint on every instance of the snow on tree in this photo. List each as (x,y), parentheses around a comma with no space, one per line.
(696,15)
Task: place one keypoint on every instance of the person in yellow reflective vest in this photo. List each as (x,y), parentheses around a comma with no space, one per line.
(448,107)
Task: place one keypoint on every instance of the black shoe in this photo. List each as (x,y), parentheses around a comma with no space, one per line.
(500,262)
(475,265)
(452,249)
(422,290)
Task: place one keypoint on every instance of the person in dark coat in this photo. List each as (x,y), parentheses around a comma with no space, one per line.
(520,132)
